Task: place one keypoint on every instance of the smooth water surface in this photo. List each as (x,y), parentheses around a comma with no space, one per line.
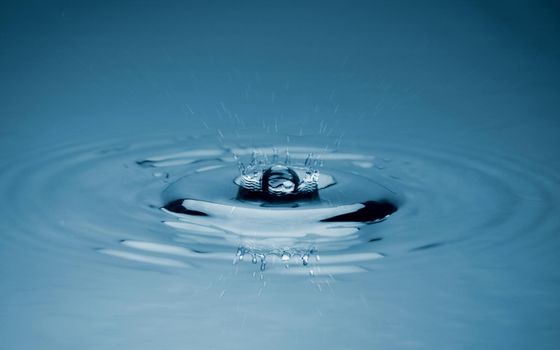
(423,140)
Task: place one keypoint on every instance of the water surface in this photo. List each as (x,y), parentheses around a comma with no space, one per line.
(122,128)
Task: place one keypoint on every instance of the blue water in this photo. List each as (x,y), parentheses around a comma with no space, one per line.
(448,110)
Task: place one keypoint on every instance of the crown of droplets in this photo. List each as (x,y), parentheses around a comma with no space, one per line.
(279,178)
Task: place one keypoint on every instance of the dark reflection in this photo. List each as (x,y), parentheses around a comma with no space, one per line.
(372,211)
(177,206)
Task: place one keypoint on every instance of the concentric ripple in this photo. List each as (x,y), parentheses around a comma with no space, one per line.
(120,201)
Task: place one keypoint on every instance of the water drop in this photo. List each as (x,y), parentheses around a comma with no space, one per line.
(240,253)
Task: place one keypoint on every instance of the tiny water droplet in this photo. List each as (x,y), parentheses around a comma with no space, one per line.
(285,256)
(305,259)
(240,253)
(254,259)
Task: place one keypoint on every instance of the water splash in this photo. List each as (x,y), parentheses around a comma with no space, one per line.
(277,209)
(274,181)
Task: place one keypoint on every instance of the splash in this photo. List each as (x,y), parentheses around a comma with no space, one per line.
(276,211)
(278,181)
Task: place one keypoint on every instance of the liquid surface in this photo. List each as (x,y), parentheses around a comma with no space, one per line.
(435,222)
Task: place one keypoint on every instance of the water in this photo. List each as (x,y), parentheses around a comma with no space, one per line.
(383,175)
(217,208)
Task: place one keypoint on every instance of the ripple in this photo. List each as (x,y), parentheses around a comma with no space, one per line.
(107,197)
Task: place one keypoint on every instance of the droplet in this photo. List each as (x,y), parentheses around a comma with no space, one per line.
(305,259)
(240,253)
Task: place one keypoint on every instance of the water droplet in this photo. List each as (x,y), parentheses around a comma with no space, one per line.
(240,253)
(305,259)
